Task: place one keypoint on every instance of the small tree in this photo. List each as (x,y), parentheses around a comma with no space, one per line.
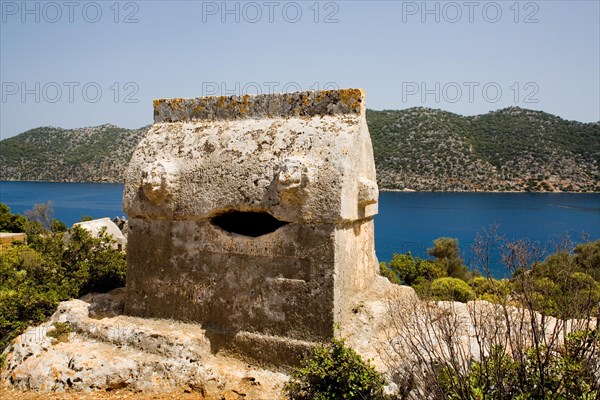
(401,270)
(41,218)
(447,253)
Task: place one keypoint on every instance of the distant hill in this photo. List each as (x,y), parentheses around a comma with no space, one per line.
(512,149)
(95,154)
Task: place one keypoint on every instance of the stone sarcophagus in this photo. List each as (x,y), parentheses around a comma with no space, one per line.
(253,216)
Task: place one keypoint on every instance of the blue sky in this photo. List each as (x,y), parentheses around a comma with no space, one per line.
(82,63)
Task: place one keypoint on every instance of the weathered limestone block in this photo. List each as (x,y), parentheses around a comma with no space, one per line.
(253,215)
(95,226)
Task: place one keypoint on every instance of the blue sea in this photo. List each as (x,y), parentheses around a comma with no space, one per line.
(406,221)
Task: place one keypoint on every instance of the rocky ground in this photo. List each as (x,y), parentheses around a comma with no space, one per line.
(112,356)
(109,355)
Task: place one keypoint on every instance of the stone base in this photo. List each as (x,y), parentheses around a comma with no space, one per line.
(273,352)
(297,282)
(121,352)
(109,351)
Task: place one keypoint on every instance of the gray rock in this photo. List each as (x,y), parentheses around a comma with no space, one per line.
(95,226)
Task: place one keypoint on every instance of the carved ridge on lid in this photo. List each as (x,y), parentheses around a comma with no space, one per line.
(298,104)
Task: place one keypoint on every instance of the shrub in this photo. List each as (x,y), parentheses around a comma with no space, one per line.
(36,276)
(401,270)
(430,270)
(452,289)
(335,372)
(540,341)
(564,285)
(406,270)
(490,289)
(40,220)
(565,374)
(91,264)
(587,258)
(10,222)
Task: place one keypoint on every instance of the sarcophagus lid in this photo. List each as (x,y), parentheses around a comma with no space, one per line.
(301,157)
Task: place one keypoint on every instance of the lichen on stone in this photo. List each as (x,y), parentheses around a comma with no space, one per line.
(300,104)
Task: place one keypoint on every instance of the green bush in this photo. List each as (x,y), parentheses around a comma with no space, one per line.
(36,276)
(520,355)
(91,264)
(452,289)
(10,222)
(490,289)
(563,375)
(430,270)
(406,270)
(335,372)
(494,377)
(565,284)
(587,258)
(401,270)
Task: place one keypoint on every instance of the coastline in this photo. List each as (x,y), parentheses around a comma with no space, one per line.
(481,191)
(35,181)
(391,190)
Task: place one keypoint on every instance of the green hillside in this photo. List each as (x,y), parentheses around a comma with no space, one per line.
(509,149)
(415,149)
(96,154)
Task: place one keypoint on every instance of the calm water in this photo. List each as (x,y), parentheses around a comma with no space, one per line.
(410,221)
(406,221)
(71,201)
